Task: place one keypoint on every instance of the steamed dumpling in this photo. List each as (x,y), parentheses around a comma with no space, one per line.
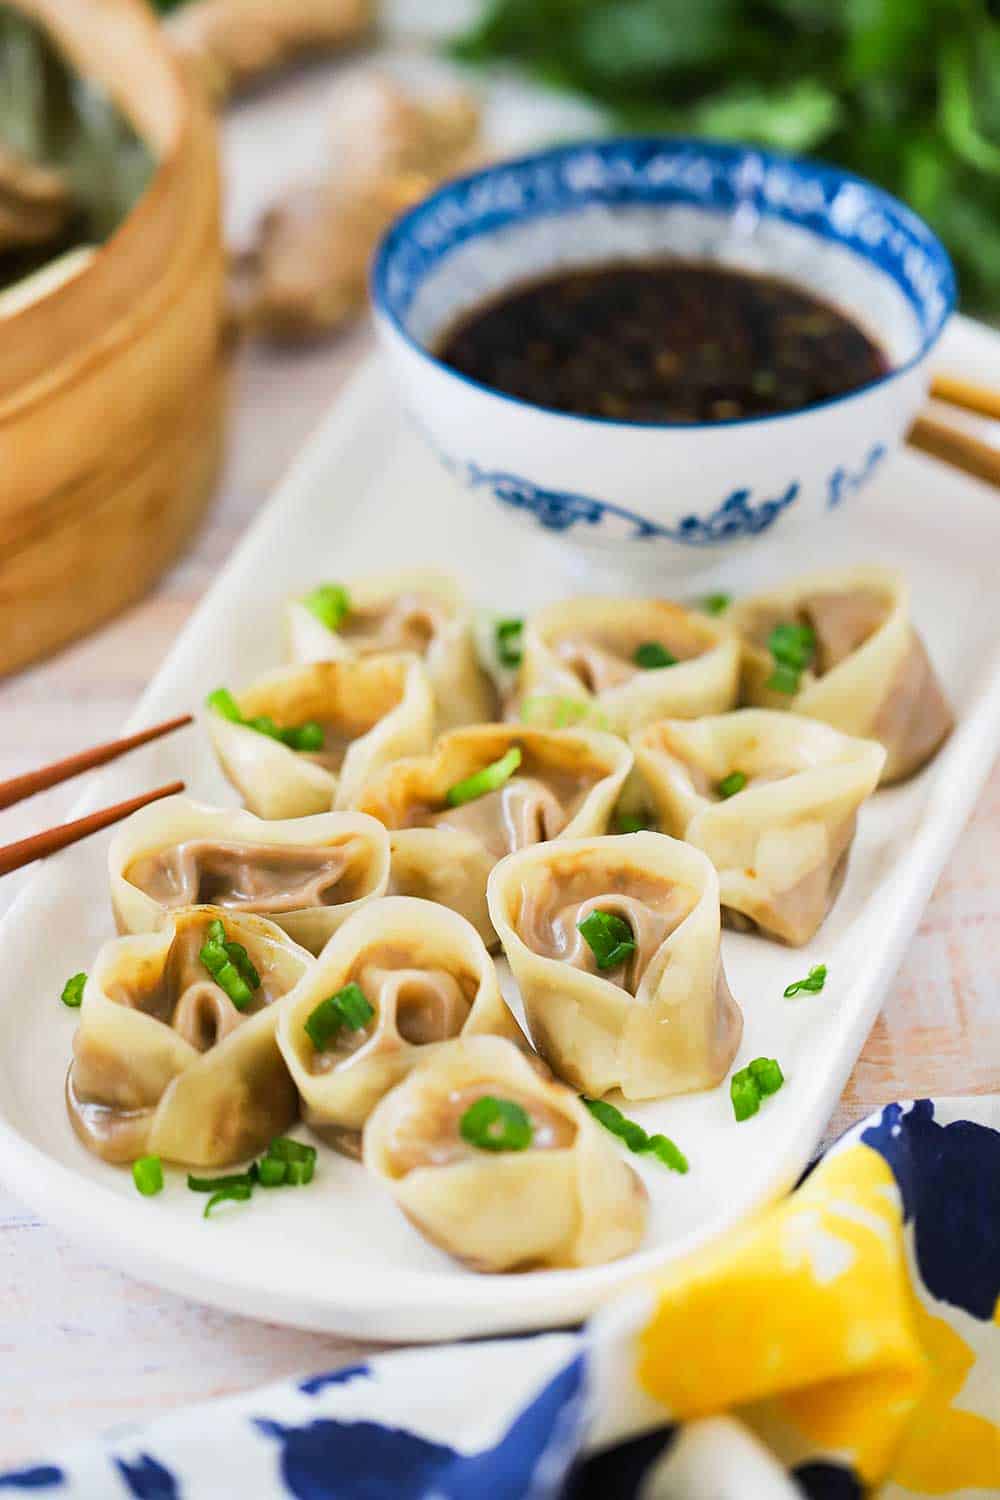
(565,1199)
(610,653)
(163,1060)
(418,611)
(307,874)
(867,671)
(425,977)
(661,1019)
(772,799)
(370,711)
(566,785)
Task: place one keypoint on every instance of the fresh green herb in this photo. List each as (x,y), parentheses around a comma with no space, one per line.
(813,982)
(330,603)
(271,1172)
(907,94)
(608,936)
(489,779)
(630,823)
(785,680)
(751,1084)
(651,655)
(284,1148)
(307,736)
(72,991)
(731,784)
(147,1174)
(508,638)
(792,648)
(348,1007)
(236,1192)
(496,1125)
(716,604)
(299,1173)
(229,965)
(216,1184)
(554,712)
(635,1138)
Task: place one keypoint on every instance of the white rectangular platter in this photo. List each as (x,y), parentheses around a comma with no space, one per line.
(366,495)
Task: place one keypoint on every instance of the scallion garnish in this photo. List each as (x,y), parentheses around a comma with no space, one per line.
(813,983)
(147,1174)
(307,736)
(330,603)
(72,991)
(508,639)
(554,712)
(716,604)
(651,655)
(348,1007)
(236,1192)
(608,936)
(751,1084)
(216,1184)
(496,1125)
(271,1172)
(489,779)
(299,1173)
(635,1138)
(229,965)
(284,1148)
(630,823)
(731,784)
(792,648)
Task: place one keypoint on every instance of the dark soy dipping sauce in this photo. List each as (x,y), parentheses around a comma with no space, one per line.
(663,341)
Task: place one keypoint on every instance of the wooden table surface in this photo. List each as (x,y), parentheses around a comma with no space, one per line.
(85,1348)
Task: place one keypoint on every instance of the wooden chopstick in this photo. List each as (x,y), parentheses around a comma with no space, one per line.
(14,856)
(967,395)
(959,449)
(19,787)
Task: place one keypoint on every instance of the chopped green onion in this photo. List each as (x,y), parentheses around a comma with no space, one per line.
(792,647)
(813,982)
(284,1148)
(299,1173)
(147,1174)
(496,1125)
(236,1192)
(630,823)
(731,784)
(72,991)
(222,702)
(244,964)
(216,1184)
(635,1138)
(306,737)
(489,779)
(224,967)
(609,937)
(330,603)
(716,604)
(271,1172)
(785,680)
(508,639)
(551,711)
(348,1007)
(751,1084)
(651,655)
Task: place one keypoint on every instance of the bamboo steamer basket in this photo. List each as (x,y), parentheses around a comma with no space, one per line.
(112,385)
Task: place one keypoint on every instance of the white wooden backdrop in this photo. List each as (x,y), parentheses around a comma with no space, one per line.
(83,1347)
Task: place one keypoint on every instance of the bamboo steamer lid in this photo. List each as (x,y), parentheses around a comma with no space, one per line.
(112,381)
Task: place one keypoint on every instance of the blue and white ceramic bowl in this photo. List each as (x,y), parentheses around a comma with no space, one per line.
(682,494)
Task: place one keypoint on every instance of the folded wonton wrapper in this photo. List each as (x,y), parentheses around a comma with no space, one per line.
(569,1199)
(307,874)
(374,710)
(872,676)
(428,977)
(165,1064)
(662,1022)
(566,786)
(780,844)
(583,649)
(417,610)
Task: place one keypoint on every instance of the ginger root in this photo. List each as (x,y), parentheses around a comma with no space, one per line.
(308,272)
(230,43)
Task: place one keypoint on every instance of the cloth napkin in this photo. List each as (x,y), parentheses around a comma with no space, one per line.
(844,1343)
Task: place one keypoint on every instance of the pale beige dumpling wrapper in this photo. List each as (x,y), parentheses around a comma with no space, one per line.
(428,977)
(566,786)
(416,610)
(664,1021)
(569,1199)
(164,1064)
(875,679)
(308,875)
(374,710)
(583,649)
(781,843)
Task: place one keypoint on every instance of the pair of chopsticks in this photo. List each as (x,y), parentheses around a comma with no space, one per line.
(959,449)
(24,851)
